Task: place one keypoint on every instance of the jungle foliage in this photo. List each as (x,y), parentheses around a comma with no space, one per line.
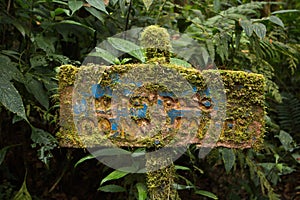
(38,36)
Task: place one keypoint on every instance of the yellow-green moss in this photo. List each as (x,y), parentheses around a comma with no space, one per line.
(156,41)
(67,76)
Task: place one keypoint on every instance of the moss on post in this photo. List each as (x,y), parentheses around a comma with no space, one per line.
(156,41)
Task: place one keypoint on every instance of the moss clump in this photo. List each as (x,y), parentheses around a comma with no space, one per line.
(156,41)
(67,76)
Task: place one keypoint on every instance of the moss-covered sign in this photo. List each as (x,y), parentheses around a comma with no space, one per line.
(243,126)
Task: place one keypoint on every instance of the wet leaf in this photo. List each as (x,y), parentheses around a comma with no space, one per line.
(114,176)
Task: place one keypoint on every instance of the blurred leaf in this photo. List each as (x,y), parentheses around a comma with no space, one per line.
(286,140)
(107,56)
(247,27)
(182,187)
(46,142)
(217,5)
(206,194)
(285,11)
(276,20)
(142,191)
(127,47)
(23,193)
(296,156)
(114,176)
(3,153)
(176,61)
(95,13)
(112,188)
(148,3)
(228,157)
(99,4)
(45,43)
(260,30)
(36,88)
(103,152)
(75,5)
(59,11)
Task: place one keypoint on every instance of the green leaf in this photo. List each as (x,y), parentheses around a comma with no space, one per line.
(178,167)
(10,98)
(217,5)
(276,20)
(285,11)
(95,13)
(59,11)
(103,152)
(142,191)
(45,43)
(112,188)
(247,27)
(39,136)
(176,61)
(75,5)
(71,22)
(127,47)
(9,70)
(260,30)
(114,176)
(107,56)
(228,157)
(147,3)
(99,4)
(206,194)
(23,193)
(286,140)
(36,88)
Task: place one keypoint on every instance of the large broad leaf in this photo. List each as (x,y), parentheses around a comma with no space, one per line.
(99,4)
(276,20)
(142,191)
(112,188)
(36,88)
(23,193)
(114,176)
(107,56)
(9,70)
(75,5)
(10,98)
(148,3)
(71,22)
(95,13)
(127,47)
(260,30)
(228,157)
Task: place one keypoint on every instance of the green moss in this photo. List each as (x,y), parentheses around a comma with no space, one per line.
(67,76)
(160,182)
(156,41)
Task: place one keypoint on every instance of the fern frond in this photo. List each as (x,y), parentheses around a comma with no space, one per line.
(289,114)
